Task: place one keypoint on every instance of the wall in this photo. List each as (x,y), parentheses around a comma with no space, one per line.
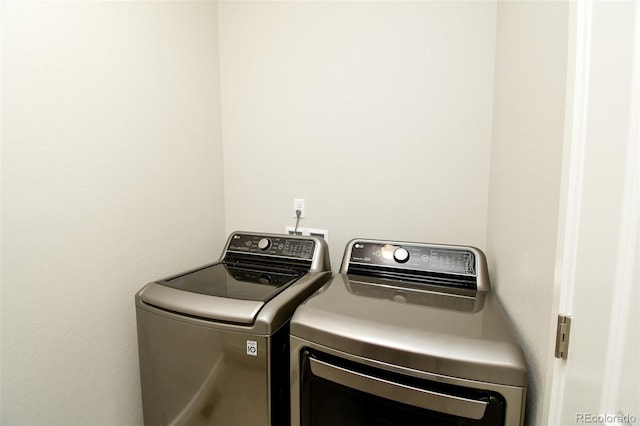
(380,114)
(377,113)
(526,156)
(111,177)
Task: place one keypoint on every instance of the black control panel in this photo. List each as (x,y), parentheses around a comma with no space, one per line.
(272,246)
(410,257)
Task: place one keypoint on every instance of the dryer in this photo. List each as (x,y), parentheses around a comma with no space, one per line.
(406,334)
(214,341)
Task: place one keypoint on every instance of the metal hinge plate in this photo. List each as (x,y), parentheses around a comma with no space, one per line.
(562,336)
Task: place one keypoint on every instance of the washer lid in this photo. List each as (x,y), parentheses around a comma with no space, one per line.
(453,335)
(219,292)
(234,282)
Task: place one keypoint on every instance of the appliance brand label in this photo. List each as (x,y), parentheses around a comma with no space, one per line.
(252,348)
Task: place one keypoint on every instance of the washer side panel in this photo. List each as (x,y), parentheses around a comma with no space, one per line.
(193,374)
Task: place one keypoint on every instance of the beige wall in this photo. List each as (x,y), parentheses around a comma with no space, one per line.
(526,157)
(111,177)
(377,113)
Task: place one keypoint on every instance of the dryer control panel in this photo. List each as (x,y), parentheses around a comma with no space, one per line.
(414,257)
(272,245)
(444,266)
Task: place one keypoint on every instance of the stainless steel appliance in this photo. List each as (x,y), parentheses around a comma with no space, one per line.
(214,341)
(407,334)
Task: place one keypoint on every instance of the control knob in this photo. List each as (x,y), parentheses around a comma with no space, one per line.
(401,255)
(264,244)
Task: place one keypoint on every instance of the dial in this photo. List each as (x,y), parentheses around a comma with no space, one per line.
(401,255)
(264,244)
(265,279)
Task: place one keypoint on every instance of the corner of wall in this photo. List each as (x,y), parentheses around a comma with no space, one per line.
(526,161)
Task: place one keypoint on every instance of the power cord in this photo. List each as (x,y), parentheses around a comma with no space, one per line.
(298,213)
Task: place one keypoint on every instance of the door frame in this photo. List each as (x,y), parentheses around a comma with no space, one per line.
(569,231)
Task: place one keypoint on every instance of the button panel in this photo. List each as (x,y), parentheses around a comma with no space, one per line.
(414,257)
(272,246)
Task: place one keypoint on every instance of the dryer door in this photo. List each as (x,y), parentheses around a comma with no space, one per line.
(336,392)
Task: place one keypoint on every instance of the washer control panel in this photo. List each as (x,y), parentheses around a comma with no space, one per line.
(414,257)
(281,246)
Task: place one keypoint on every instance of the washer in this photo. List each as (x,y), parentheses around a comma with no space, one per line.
(214,341)
(406,334)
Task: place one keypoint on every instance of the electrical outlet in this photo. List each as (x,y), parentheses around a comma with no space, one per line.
(298,204)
